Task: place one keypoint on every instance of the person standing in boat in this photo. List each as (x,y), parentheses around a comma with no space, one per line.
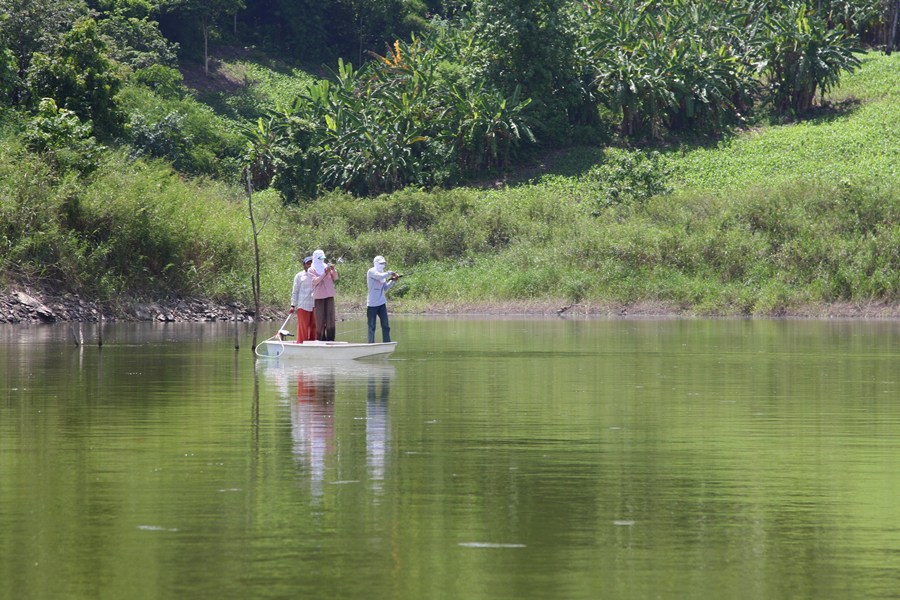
(379,281)
(323,277)
(302,299)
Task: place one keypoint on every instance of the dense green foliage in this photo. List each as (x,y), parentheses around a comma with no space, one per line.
(105,126)
(419,101)
(394,123)
(190,135)
(132,228)
(462,98)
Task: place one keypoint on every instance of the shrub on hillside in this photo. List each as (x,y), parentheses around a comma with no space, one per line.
(183,131)
(164,81)
(79,76)
(63,140)
(137,42)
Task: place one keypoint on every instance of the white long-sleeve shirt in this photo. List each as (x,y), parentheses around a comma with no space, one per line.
(379,282)
(302,294)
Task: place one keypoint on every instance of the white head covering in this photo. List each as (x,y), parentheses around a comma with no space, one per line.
(319,262)
(379,264)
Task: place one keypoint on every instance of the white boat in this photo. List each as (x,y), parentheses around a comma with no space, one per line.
(323,350)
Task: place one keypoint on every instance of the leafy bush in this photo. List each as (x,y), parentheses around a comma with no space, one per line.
(181,130)
(164,139)
(667,64)
(628,176)
(164,81)
(79,76)
(395,123)
(528,47)
(137,42)
(63,140)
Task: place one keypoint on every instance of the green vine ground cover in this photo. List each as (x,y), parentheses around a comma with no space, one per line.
(858,140)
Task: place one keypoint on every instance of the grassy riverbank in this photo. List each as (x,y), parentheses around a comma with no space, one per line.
(799,218)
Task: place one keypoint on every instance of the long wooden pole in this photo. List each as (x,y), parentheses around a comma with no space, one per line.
(256,284)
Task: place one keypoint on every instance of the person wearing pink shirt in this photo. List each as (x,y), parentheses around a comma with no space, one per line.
(323,277)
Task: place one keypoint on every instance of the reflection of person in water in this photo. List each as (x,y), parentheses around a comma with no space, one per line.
(322,449)
(377,435)
(312,419)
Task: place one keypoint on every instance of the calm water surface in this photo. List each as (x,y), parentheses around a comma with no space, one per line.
(487,459)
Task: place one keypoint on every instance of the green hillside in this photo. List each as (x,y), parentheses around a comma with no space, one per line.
(736,184)
(853,140)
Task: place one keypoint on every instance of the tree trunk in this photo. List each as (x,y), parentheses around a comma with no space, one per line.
(206,45)
(892,30)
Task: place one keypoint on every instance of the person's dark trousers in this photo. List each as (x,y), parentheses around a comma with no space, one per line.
(381,313)
(325,319)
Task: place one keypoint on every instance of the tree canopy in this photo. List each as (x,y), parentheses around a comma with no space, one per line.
(425,92)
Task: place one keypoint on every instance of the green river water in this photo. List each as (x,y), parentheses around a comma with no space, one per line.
(486,459)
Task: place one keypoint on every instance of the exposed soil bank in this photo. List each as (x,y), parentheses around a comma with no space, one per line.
(31,306)
(869,310)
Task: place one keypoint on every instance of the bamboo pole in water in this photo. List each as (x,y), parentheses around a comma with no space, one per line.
(78,335)
(254,278)
(237,345)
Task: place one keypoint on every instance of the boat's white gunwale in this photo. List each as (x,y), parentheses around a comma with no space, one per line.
(325,350)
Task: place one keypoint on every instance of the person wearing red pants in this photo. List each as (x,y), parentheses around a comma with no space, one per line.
(302,299)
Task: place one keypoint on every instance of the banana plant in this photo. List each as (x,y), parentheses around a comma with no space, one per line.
(803,57)
(262,139)
(488,126)
(673,64)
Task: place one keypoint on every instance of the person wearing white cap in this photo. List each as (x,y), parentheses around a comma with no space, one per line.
(379,281)
(302,298)
(323,277)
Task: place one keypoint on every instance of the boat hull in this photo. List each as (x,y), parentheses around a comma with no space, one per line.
(324,350)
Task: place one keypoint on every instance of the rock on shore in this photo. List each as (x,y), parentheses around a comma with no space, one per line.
(17,306)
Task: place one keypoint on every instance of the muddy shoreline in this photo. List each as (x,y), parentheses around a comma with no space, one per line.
(26,306)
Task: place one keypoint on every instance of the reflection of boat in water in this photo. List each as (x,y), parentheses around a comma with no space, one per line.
(279,370)
(323,350)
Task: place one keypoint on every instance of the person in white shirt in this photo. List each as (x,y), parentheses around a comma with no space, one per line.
(302,299)
(379,281)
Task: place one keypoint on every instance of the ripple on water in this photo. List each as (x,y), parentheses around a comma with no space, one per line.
(156,528)
(489,545)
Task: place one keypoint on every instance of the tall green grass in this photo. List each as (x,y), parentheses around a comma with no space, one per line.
(135,229)
(766,250)
(255,89)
